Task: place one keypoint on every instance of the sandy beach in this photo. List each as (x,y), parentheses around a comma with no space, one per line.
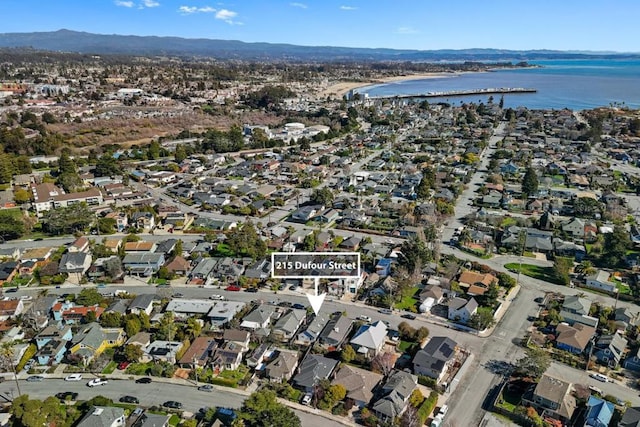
(342,88)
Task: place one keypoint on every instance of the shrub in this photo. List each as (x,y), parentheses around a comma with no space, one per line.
(427,381)
(28,354)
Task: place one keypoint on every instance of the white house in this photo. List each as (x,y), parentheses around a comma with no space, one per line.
(461,310)
(600,280)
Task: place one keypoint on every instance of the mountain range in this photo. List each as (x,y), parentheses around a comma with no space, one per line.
(89,43)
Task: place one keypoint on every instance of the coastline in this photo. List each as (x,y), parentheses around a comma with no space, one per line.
(342,88)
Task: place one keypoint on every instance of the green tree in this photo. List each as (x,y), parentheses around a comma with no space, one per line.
(505,280)
(7,168)
(614,249)
(111,319)
(245,241)
(347,354)
(177,250)
(534,363)
(69,219)
(322,196)
(587,207)
(132,326)
(153,152)
(167,327)
(192,328)
(107,165)
(530,182)
(107,225)
(561,269)
(180,154)
(414,255)
(22,196)
(29,413)
(262,409)
(482,319)
(11,226)
(90,317)
(132,352)
(68,177)
(426,183)
(89,296)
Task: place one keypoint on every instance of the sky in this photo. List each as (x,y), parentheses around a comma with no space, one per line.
(593,25)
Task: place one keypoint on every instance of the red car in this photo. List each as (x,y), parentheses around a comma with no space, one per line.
(123,365)
(232,288)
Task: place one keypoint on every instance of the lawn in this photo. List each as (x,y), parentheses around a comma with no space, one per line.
(223,250)
(111,366)
(408,301)
(235,375)
(404,346)
(537,272)
(138,368)
(510,400)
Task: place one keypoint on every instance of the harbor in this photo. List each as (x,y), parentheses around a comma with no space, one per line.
(448,93)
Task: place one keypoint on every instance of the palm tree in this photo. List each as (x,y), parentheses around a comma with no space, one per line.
(192,328)
(6,362)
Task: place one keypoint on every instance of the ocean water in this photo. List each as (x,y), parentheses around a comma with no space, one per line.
(573,84)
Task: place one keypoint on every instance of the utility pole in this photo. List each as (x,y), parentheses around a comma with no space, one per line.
(195,368)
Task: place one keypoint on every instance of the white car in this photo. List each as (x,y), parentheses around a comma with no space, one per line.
(26,297)
(365,318)
(306,399)
(97,381)
(73,377)
(599,377)
(216,297)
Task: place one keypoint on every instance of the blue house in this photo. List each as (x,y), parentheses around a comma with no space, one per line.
(53,332)
(383,267)
(633,362)
(599,412)
(52,352)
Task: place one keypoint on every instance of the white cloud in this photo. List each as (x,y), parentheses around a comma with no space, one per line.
(406,30)
(150,3)
(300,5)
(227,16)
(348,8)
(187,10)
(123,3)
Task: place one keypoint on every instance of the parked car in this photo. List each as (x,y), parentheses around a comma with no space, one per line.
(385,311)
(73,377)
(252,290)
(67,395)
(599,377)
(299,306)
(26,297)
(129,399)
(232,288)
(284,304)
(409,316)
(306,399)
(123,365)
(97,381)
(35,378)
(364,318)
(143,380)
(216,297)
(178,295)
(172,404)
(206,387)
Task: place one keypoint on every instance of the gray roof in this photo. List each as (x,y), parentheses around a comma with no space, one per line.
(90,335)
(142,301)
(260,314)
(396,391)
(73,261)
(436,354)
(283,365)
(152,420)
(576,304)
(631,418)
(313,368)
(142,258)
(101,416)
(290,322)
(336,330)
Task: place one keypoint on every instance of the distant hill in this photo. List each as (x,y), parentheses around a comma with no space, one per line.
(82,42)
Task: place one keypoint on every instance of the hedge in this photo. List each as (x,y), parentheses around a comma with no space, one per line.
(224,382)
(427,407)
(28,354)
(427,381)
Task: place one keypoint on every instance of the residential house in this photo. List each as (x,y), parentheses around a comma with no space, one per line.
(305,213)
(103,416)
(632,362)
(313,330)
(113,244)
(183,307)
(8,271)
(574,339)
(75,262)
(148,419)
(282,367)
(227,357)
(552,397)
(259,318)
(92,339)
(576,305)
(395,395)
(201,273)
(179,266)
(38,314)
(258,355)
(286,327)
(53,332)
(574,228)
(599,412)
(609,349)
(313,368)
(71,313)
(630,418)
(141,339)
(476,283)
(10,308)
(600,280)
(624,317)
(142,303)
(238,337)
(159,350)
(199,352)
(435,359)
(143,264)
(121,218)
(460,310)
(52,352)
(335,332)
(223,312)
(369,339)
(383,267)
(140,246)
(359,384)
(81,244)
(144,221)
(260,269)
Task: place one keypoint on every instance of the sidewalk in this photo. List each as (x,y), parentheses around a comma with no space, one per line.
(504,307)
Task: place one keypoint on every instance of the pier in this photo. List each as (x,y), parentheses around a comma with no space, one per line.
(446,93)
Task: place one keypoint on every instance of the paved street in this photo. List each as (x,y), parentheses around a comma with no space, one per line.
(149,394)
